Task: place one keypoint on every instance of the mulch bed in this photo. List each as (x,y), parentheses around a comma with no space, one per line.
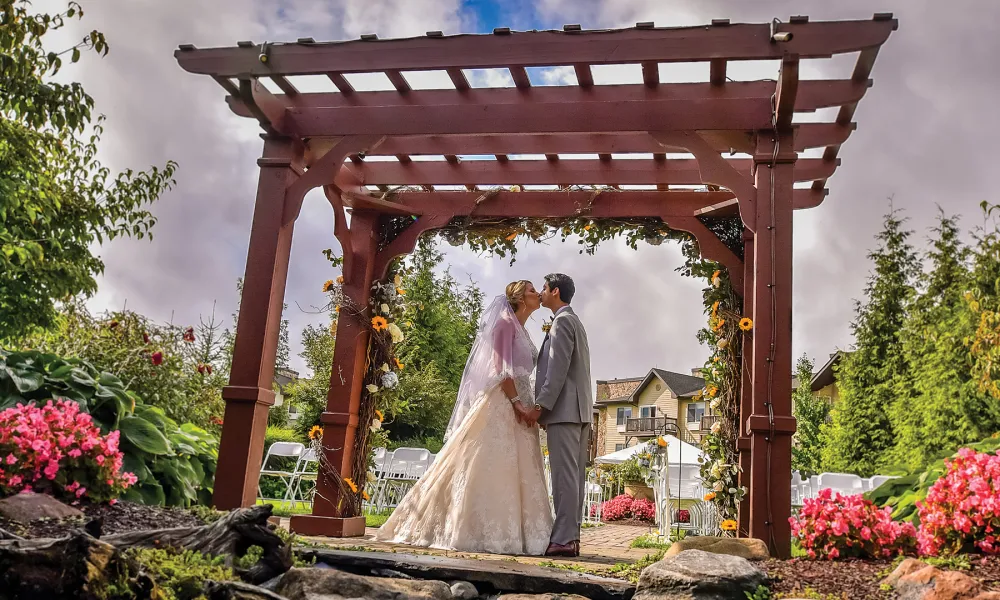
(855,579)
(119,518)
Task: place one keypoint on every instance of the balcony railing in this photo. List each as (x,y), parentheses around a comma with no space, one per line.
(707,421)
(650,425)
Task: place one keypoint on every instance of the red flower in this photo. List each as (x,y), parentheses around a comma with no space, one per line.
(201,368)
(145,338)
(112,324)
(189,334)
(217,421)
(157,358)
(208,369)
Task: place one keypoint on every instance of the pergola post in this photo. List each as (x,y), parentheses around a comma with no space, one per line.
(249,394)
(347,379)
(771,425)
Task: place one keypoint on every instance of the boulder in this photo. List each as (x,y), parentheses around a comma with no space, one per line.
(463,590)
(931,583)
(910,565)
(699,575)
(331,584)
(27,507)
(748,548)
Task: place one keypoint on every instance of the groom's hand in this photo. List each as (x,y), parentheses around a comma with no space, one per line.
(531,416)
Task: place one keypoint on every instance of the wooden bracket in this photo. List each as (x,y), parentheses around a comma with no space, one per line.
(714,169)
(407,240)
(761,424)
(340,229)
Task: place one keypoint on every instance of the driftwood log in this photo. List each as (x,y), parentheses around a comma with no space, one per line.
(72,566)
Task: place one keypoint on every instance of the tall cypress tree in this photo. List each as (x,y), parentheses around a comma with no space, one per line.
(930,415)
(861,432)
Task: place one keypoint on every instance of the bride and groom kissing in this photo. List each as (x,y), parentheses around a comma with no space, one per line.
(487,490)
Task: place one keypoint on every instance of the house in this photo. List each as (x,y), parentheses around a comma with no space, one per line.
(637,409)
(282,378)
(824,382)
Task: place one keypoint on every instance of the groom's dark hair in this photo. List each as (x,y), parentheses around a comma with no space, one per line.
(563,283)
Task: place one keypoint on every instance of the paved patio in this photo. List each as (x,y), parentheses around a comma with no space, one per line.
(600,548)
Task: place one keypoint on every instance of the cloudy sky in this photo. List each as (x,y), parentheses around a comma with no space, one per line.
(926,135)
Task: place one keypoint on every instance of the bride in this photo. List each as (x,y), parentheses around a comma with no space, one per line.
(486,491)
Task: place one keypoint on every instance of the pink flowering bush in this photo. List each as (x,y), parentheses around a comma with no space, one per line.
(643,509)
(834,526)
(624,507)
(961,512)
(57,449)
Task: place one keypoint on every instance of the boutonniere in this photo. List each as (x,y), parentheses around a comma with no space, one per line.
(547,325)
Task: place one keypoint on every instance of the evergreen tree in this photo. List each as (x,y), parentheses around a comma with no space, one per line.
(811,413)
(861,432)
(935,395)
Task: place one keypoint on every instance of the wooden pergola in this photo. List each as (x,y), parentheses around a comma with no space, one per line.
(477,138)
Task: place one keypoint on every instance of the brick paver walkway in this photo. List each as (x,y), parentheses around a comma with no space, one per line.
(600,548)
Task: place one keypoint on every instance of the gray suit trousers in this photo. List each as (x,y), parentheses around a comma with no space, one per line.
(568,445)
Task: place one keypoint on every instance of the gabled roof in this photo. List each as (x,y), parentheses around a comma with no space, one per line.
(684,386)
(825,376)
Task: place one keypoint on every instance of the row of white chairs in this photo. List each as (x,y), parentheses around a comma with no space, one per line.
(845,483)
(394,473)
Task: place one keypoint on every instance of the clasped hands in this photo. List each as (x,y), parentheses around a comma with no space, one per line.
(527,416)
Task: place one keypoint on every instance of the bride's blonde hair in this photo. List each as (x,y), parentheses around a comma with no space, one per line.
(515,293)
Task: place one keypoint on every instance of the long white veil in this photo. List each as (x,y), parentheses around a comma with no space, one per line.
(502,350)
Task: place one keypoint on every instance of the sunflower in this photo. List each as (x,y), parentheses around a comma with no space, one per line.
(379,323)
(336,309)
(379,415)
(709,496)
(712,391)
(719,325)
(661,442)
(746,324)
(729,525)
(315,432)
(715,306)
(399,365)
(340,279)
(512,237)
(716,274)
(587,227)
(400,291)
(350,484)
(365,495)
(328,285)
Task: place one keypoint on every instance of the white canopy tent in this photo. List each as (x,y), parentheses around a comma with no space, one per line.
(683,466)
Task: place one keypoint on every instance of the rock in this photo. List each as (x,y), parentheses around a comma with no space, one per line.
(28,507)
(931,583)
(699,575)
(906,567)
(748,548)
(331,584)
(489,577)
(463,590)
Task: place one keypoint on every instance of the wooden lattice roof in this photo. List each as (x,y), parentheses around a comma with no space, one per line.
(578,133)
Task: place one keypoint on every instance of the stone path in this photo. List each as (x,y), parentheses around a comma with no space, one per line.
(600,548)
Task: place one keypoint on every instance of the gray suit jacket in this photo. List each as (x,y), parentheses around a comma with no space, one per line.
(562,383)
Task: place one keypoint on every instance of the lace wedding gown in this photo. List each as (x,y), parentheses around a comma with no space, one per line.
(486,491)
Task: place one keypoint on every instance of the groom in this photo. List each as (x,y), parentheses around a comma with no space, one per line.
(565,402)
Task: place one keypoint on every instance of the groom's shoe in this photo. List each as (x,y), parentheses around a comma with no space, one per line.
(568,550)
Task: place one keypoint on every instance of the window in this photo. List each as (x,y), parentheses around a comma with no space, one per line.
(695,410)
(623,414)
(647,411)
(619,446)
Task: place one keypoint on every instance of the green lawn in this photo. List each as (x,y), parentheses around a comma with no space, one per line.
(300,508)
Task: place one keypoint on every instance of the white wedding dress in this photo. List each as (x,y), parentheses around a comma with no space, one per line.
(486,492)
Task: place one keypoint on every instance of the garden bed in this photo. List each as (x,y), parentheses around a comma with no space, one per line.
(121,517)
(861,579)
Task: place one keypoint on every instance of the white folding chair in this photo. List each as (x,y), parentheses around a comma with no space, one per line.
(279,451)
(592,501)
(378,473)
(845,483)
(878,480)
(304,471)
